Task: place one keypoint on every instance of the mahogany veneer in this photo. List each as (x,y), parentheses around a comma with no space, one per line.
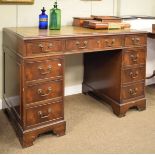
(114,70)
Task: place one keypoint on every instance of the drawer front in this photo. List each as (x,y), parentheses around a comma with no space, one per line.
(135,40)
(44,91)
(112,42)
(52,111)
(134,56)
(132,91)
(98,43)
(132,75)
(43,47)
(79,44)
(41,69)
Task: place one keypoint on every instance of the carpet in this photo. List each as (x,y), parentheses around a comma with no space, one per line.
(91,128)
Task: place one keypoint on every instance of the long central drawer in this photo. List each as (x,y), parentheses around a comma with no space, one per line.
(91,44)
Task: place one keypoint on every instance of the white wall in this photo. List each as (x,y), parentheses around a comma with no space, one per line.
(28,14)
(8,18)
(136,7)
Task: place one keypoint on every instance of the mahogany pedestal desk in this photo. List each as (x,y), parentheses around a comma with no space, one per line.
(114,70)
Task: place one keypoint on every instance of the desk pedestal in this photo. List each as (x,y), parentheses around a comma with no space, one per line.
(104,79)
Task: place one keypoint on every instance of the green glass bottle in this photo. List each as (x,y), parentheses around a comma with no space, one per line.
(55,18)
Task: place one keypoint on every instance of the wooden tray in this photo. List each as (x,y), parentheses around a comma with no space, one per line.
(78,21)
(107,18)
(100,22)
(104,25)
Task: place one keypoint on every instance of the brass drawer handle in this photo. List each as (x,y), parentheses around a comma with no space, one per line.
(50,45)
(134,75)
(134,58)
(133,92)
(110,43)
(42,72)
(84,44)
(42,47)
(113,41)
(135,41)
(43,93)
(42,115)
(98,42)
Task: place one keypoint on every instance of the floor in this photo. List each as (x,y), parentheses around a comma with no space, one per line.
(91,128)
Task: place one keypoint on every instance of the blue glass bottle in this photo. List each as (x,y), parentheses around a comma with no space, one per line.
(43,20)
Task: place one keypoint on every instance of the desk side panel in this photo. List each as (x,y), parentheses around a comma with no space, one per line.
(12,83)
(14,42)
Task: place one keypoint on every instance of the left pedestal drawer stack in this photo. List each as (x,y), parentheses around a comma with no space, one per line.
(33,90)
(43,91)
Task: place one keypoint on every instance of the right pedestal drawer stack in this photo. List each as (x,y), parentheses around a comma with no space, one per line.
(133,73)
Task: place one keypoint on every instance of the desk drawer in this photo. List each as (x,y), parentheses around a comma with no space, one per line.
(133,74)
(80,44)
(112,42)
(134,56)
(45,68)
(44,47)
(98,43)
(132,91)
(43,91)
(135,40)
(43,113)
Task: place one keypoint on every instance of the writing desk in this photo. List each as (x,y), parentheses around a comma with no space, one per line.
(114,70)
